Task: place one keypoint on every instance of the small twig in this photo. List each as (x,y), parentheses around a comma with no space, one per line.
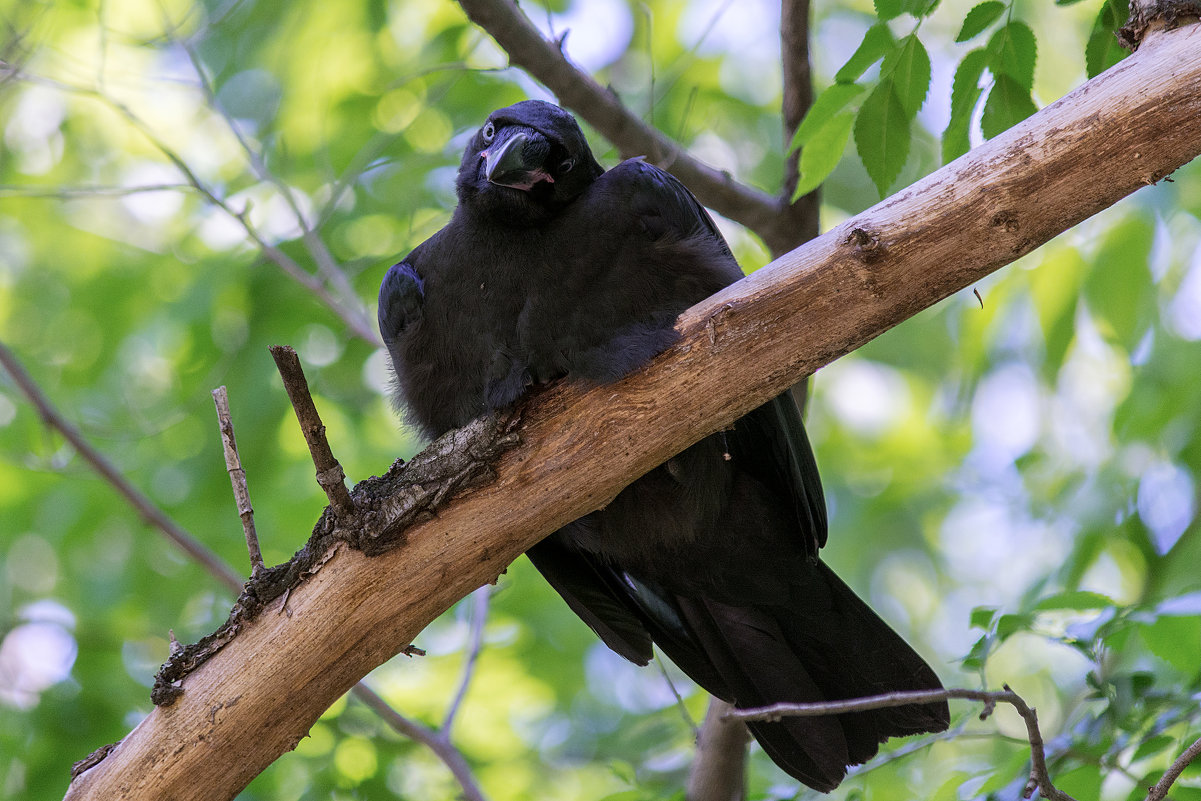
(155,517)
(1039,778)
(437,742)
(237,477)
(329,473)
(1160,791)
(142,504)
(479,616)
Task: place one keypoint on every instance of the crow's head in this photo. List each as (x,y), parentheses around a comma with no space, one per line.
(525,164)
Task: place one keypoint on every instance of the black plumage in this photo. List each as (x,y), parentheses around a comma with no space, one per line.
(552,267)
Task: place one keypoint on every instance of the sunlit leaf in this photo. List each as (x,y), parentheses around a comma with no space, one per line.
(979,18)
(908,68)
(822,153)
(831,101)
(1008,104)
(882,136)
(1012,51)
(877,43)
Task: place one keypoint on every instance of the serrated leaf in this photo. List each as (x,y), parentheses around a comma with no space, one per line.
(921,8)
(877,43)
(1008,104)
(1113,14)
(965,93)
(1102,51)
(908,67)
(887,9)
(828,103)
(979,18)
(882,136)
(822,153)
(1012,51)
(1078,600)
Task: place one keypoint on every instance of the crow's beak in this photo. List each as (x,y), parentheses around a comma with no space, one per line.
(506,165)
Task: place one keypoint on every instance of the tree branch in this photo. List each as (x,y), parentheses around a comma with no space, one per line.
(237,477)
(145,507)
(718,771)
(439,743)
(604,111)
(581,445)
(1160,791)
(1039,777)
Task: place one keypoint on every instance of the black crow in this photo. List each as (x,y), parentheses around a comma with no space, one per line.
(552,267)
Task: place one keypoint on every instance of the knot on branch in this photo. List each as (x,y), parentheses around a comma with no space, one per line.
(1166,14)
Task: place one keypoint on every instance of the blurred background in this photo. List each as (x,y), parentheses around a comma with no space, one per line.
(1012,481)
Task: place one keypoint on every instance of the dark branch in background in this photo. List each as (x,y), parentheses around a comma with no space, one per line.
(329,473)
(801,217)
(145,507)
(158,519)
(1039,778)
(603,110)
(237,477)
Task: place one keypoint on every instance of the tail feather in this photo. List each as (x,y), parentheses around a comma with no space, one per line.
(828,646)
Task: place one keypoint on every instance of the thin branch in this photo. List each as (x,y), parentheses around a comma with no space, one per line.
(603,110)
(329,473)
(145,507)
(326,264)
(70,192)
(1039,778)
(437,742)
(237,477)
(479,616)
(354,319)
(802,216)
(155,517)
(1160,791)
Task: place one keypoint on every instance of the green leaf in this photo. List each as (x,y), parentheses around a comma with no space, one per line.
(1102,51)
(1012,51)
(1153,746)
(965,92)
(908,67)
(1011,624)
(887,9)
(1118,289)
(1081,782)
(882,136)
(982,617)
(827,104)
(823,152)
(1176,640)
(921,8)
(980,18)
(1008,104)
(1079,600)
(877,43)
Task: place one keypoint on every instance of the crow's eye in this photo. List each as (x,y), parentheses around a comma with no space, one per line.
(566,165)
(489,132)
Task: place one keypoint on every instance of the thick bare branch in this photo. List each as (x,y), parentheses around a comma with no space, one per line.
(718,771)
(581,445)
(604,111)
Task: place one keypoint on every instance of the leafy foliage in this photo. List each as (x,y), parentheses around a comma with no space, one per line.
(1013,486)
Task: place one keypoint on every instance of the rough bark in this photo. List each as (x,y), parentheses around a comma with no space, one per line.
(258,696)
